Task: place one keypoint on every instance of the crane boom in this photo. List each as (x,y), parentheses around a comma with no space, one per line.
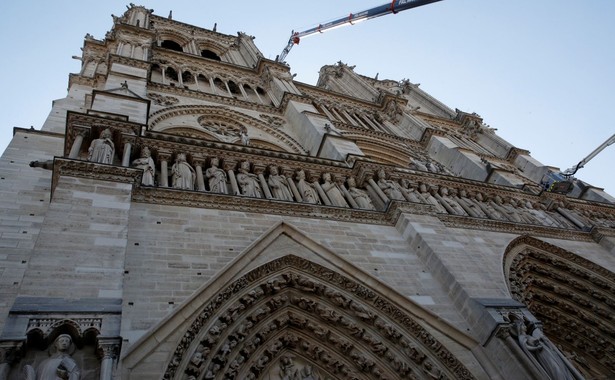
(594,153)
(385,9)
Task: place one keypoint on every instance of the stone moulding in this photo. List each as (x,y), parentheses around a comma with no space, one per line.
(572,296)
(465,222)
(304,295)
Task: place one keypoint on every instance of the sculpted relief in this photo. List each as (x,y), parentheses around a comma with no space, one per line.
(279,322)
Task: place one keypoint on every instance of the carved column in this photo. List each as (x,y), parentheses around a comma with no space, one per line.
(259,171)
(10,353)
(291,183)
(164,169)
(378,191)
(126,155)
(229,166)
(76,148)
(198,167)
(322,193)
(349,197)
(108,349)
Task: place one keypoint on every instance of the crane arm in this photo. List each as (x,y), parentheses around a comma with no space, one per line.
(392,7)
(574,169)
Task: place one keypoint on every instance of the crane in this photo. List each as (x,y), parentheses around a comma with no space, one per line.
(571,171)
(394,6)
(561,182)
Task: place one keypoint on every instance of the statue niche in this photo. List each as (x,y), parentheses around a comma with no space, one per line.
(65,357)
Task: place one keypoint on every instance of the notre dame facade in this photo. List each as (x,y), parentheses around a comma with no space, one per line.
(189,211)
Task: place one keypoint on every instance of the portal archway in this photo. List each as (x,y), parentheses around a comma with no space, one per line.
(572,296)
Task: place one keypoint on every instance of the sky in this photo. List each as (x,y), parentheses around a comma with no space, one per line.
(540,71)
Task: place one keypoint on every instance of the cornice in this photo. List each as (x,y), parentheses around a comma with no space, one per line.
(481,224)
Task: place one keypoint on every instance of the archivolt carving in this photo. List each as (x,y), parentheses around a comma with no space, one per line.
(222,113)
(294,308)
(572,296)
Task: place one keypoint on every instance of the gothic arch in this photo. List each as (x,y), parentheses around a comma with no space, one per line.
(272,308)
(572,296)
(163,120)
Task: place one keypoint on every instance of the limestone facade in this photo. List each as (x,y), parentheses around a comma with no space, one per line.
(189,211)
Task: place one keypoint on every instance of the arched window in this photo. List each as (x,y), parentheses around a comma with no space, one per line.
(171,45)
(187,77)
(206,53)
(171,74)
(234,88)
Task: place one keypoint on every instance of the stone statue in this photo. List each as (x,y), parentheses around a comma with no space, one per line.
(102,149)
(448,202)
(183,174)
(538,347)
(306,189)
(243,134)
(308,373)
(216,177)
(390,188)
(279,185)
(465,200)
(59,365)
(333,192)
(425,193)
(248,182)
(409,190)
(359,196)
(146,163)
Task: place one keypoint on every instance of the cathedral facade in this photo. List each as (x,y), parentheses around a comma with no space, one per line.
(189,211)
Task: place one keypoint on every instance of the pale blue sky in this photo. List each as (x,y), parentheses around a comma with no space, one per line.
(540,71)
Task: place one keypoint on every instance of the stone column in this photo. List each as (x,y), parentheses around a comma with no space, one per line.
(378,190)
(349,197)
(108,349)
(76,148)
(259,171)
(229,166)
(198,167)
(164,169)
(10,353)
(322,193)
(126,155)
(291,184)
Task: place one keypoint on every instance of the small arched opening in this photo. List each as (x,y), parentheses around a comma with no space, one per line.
(206,53)
(171,45)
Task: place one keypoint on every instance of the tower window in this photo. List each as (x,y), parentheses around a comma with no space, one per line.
(210,55)
(171,45)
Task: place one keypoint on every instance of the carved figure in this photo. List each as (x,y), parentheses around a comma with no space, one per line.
(248,182)
(306,189)
(102,149)
(333,192)
(146,163)
(468,204)
(538,347)
(279,185)
(409,191)
(308,373)
(359,196)
(59,366)
(183,174)
(448,202)
(243,134)
(391,188)
(287,368)
(216,177)
(429,198)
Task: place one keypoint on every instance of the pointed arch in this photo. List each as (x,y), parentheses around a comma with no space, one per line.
(287,300)
(572,296)
(171,117)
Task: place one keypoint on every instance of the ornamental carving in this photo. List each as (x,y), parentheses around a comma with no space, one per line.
(162,100)
(292,315)
(573,297)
